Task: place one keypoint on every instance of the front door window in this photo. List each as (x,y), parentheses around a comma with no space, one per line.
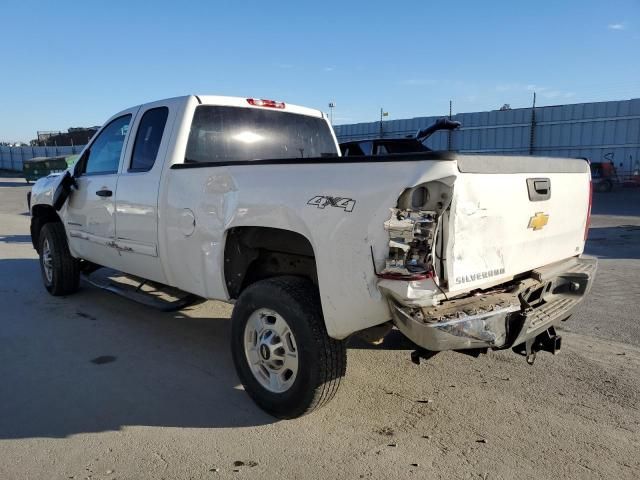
(104,153)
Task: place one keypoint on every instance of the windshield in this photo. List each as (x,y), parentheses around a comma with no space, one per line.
(235,134)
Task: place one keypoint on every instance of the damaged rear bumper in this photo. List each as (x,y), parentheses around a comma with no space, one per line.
(501,318)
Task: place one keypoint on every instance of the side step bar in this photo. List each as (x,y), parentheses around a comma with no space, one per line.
(145,298)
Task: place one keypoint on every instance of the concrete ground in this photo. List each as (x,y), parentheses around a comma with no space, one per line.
(169,405)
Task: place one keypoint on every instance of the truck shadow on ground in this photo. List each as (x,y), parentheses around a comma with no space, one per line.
(95,362)
(394,340)
(12,183)
(15,238)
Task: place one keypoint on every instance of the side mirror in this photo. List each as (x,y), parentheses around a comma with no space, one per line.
(79,167)
(63,190)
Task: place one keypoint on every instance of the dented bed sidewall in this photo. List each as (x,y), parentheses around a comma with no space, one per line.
(280,196)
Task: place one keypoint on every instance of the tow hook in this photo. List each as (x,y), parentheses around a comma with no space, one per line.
(547,341)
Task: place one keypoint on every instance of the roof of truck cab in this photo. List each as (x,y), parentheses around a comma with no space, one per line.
(220,100)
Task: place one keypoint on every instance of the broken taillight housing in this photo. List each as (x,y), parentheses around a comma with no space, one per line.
(412,229)
(588,223)
(406,277)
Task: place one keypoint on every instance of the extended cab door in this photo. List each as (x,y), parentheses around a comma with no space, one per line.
(136,205)
(90,210)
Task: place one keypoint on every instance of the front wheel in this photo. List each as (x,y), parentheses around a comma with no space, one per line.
(60,271)
(283,355)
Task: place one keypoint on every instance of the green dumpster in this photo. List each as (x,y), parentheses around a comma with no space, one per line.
(42,166)
(71,160)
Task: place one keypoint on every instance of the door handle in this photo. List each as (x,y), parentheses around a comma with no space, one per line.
(541,186)
(104,193)
(539,189)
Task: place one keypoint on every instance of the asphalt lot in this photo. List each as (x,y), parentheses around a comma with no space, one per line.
(169,405)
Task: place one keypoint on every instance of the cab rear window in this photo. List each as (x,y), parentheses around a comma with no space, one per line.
(230,134)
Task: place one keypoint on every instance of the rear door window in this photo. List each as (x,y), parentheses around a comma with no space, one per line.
(148,138)
(235,134)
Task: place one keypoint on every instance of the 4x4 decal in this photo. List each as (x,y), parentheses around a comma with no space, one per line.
(322,201)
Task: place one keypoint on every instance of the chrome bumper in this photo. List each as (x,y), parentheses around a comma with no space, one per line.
(501,320)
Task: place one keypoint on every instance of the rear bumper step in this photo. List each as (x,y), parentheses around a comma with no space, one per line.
(500,319)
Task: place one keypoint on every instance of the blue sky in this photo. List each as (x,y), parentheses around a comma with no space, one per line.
(65,64)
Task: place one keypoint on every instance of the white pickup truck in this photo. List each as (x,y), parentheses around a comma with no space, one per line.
(249,201)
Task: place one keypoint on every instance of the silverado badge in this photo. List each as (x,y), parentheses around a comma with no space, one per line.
(538,221)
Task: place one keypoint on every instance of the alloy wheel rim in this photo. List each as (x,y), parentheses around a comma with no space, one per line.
(47,261)
(271,350)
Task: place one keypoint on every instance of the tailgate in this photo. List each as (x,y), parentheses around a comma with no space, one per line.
(510,215)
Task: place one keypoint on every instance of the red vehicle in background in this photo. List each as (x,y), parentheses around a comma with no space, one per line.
(603,176)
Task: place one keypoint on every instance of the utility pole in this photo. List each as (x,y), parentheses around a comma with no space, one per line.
(332,105)
(382,114)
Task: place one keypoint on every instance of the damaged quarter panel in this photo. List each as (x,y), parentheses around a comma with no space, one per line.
(342,240)
(341,208)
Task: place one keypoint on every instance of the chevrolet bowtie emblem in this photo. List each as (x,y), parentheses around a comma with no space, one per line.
(538,221)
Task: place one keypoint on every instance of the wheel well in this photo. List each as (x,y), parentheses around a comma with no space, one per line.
(41,215)
(256,253)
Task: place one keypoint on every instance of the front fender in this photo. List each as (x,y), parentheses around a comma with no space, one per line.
(43,189)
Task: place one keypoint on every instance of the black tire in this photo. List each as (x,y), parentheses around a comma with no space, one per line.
(322,360)
(64,269)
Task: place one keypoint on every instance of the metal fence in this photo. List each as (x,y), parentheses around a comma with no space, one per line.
(602,131)
(11,158)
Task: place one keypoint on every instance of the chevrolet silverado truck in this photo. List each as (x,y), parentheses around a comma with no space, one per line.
(248,201)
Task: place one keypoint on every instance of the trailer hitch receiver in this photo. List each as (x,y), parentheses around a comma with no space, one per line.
(547,341)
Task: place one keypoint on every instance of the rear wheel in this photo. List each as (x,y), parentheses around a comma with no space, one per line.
(60,271)
(283,355)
